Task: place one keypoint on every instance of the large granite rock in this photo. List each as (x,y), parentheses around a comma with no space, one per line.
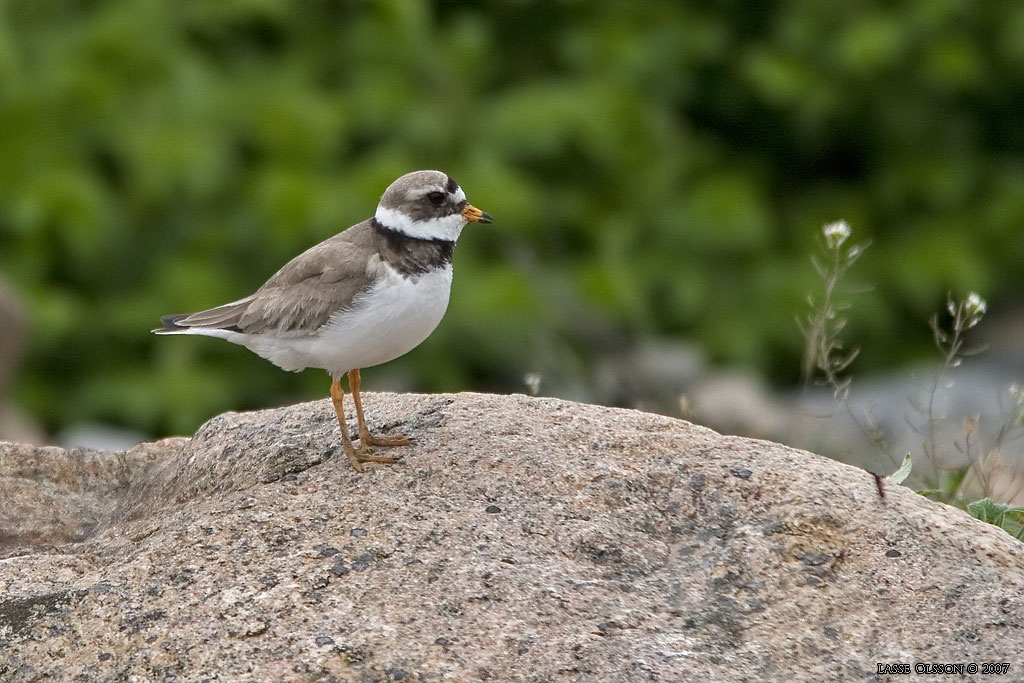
(518,539)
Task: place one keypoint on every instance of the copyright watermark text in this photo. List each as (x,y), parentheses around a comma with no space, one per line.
(940,669)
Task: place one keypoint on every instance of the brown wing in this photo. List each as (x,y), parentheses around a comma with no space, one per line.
(302,295)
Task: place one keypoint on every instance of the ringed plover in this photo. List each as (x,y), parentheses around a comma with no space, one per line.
(364,297)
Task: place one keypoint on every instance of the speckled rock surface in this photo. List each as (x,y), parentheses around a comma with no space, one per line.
(518,539)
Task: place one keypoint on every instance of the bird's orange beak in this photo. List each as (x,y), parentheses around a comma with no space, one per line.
(475,215)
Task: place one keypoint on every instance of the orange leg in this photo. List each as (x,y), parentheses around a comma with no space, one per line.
(356,458)
(365,437)
(337,397)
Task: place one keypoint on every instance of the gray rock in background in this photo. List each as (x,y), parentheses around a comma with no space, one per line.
(518,539)
(98,436)
(974,397)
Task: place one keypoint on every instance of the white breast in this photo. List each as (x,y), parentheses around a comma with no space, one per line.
(390,320)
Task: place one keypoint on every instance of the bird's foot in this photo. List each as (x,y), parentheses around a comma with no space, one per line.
(364,454)
(387,441)
(357,456)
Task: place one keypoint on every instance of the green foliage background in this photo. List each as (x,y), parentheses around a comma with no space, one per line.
(654,168)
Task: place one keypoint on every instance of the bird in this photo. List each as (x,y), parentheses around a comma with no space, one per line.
(361,298)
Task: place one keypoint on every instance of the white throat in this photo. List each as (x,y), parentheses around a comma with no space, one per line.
(448,228)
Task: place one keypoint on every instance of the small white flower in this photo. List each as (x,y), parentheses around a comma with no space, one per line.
(974,305)
(532,381)
(836,233)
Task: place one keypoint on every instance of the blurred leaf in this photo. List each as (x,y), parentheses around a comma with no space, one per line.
(1009,518)
(902,472)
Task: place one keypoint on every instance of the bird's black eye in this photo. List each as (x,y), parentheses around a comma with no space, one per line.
(435,198)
